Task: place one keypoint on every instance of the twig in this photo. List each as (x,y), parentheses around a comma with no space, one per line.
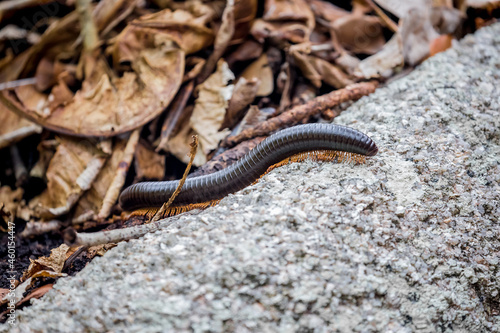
(298,113)
(35,228)
(386,19)
(121,174)
(164,207)
(73,238)
(17,83)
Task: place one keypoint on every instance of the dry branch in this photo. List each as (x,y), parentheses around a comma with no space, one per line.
(295,115)
(73,238)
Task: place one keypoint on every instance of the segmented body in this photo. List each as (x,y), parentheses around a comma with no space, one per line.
(332,141)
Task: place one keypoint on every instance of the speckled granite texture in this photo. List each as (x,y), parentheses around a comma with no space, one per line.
(408,242)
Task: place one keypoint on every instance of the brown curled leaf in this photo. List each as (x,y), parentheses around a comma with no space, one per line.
(316,69)
(108,103)
(261,71)
(359,33)
(244,93)
(53,263)
(244,14)
(249,50)
(384,62)
(298,113)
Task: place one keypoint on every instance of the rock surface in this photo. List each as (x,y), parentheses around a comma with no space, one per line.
(408,242)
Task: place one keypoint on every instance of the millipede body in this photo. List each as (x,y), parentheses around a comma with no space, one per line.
(317,141)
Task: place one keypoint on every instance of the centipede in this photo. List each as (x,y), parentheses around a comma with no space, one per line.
(320,142)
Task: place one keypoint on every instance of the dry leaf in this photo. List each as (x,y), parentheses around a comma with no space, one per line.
(289,10)
(244,93)
(107,104)
(316,69)
(110,105)
(440,44)
(261,71)
(184,28)
(208,114)
(59,38)
(11,201)
(291,20)
(14,127)
(54,263)
(71,172)
(359,33)
(383,63)
(244,14)
(21,289)
(149,165)
(250,49)
(224,36)
(327,11)
(484,4)
(36,293)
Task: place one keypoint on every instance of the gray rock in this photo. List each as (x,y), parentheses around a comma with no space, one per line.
(408,242)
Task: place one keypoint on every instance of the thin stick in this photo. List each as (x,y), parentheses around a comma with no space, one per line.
(301,112)
(386,19)
(73,238)
(17,83)
(164,207)
(35,228)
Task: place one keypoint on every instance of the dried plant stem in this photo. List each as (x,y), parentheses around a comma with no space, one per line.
(386,19)
(39,228)
(17,83)
(89,29)
(164,207)
(301,112)
(74,238)
(119,179)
